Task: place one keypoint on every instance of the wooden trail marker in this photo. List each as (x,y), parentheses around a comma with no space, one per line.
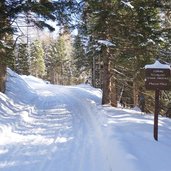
(157,77)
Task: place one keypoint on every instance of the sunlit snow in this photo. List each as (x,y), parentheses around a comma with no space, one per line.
(128,4)
(157,65)
(46,127)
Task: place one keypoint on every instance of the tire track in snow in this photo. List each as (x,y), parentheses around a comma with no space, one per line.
(92,147)
(88,146)
(115,156)
(81,149)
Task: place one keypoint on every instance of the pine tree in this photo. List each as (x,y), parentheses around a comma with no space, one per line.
(96,12)
(59,58)
(22,59)
(141,45)
(68,52)
(134,29)
(52,62)
(37,63)
(80,62)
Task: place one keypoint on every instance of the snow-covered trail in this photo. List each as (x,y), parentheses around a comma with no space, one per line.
(46,127)
(58,128)
(91,140)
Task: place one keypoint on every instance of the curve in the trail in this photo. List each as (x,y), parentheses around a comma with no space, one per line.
(61,129)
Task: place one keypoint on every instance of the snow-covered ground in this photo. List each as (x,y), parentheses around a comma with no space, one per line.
(46,127)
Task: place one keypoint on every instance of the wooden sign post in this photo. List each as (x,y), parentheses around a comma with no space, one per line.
(155,130)
(157,77)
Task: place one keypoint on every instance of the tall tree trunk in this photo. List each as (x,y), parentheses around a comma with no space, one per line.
(93,71)
(3,61)
(2,72)
(113,93)
(135,93)
(106,76)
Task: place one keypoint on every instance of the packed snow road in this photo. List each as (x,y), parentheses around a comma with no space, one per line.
(57,128)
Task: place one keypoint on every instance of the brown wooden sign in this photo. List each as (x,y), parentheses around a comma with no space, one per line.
(157,79)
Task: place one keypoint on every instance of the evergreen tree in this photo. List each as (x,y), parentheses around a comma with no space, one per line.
(22,59)
(52,62)
(65,40)
(37,63)
(134,30)
(96,12)
(80,62)
(59,59)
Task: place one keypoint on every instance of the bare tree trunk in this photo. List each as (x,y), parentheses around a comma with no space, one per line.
(113,92)
(2,73)
(52,76)
(3,61)
(106,76)
(135,93)
(93,72)
(61,74)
